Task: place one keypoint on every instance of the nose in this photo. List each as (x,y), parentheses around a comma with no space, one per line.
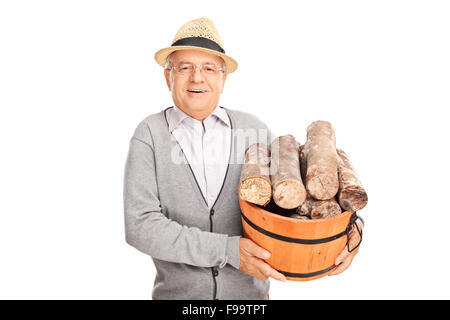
(197,75)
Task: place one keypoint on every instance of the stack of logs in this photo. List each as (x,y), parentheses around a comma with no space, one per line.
(309,181)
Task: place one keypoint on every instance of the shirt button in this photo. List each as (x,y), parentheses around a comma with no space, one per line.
(215,272)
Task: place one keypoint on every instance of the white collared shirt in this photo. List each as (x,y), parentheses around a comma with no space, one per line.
(206,147)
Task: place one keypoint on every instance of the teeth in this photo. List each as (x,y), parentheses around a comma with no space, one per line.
(195,90)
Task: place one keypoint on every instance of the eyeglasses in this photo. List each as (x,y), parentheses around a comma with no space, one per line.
(208,69)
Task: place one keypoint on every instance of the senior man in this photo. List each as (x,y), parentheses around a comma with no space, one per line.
(182,175)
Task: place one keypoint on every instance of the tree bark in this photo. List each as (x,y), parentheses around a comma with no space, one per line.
(303,166)
(255,185)
(351,195)
(288,189)
(322,180)
(319,209)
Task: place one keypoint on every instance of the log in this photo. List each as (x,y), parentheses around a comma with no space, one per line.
(288,189)
(319,209)
(303,165)
(298,216)
(322,180)
(255,185)
(351,194)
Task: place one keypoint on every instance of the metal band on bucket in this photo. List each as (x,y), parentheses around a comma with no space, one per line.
(289,239)
(306,275)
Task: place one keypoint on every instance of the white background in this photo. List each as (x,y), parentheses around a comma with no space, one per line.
(76,77)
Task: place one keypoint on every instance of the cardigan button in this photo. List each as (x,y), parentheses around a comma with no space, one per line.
(211,212)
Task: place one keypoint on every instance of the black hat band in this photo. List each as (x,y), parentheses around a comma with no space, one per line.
(199,42)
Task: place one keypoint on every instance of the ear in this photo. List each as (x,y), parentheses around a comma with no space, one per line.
(167,75)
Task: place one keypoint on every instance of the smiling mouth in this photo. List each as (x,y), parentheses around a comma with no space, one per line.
(196,91)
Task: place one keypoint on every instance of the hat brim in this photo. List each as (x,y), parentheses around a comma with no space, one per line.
(161,56)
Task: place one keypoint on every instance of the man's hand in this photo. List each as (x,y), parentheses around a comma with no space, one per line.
(252,262)
(345,258)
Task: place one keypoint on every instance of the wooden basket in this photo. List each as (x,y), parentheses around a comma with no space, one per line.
(302,250)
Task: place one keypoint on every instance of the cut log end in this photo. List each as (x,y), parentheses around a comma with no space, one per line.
(353,198)
(256,190)
(319,209)
(323,186)
(289,194)
(326,209)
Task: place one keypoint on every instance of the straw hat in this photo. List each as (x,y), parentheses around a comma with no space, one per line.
(199,34)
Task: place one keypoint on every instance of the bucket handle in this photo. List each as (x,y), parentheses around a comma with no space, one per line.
(352,222)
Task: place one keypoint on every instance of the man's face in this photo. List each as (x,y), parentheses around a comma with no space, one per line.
(196,104)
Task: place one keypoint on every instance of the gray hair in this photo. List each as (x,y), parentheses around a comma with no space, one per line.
(168,63)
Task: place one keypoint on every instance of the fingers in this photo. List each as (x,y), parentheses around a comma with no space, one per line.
(339,269)
(272,273)
(341,257)
(252,262)
(343,261)
(355,237)
(269,272)
(343,266)
(253,249)
(353,242)
(258,268)
(277,276)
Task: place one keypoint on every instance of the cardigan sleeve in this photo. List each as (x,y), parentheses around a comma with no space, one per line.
(150,231)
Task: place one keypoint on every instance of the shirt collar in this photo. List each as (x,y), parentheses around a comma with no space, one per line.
(177,116)
(220,113)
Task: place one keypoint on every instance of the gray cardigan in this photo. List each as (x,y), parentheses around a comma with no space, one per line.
(195,249)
